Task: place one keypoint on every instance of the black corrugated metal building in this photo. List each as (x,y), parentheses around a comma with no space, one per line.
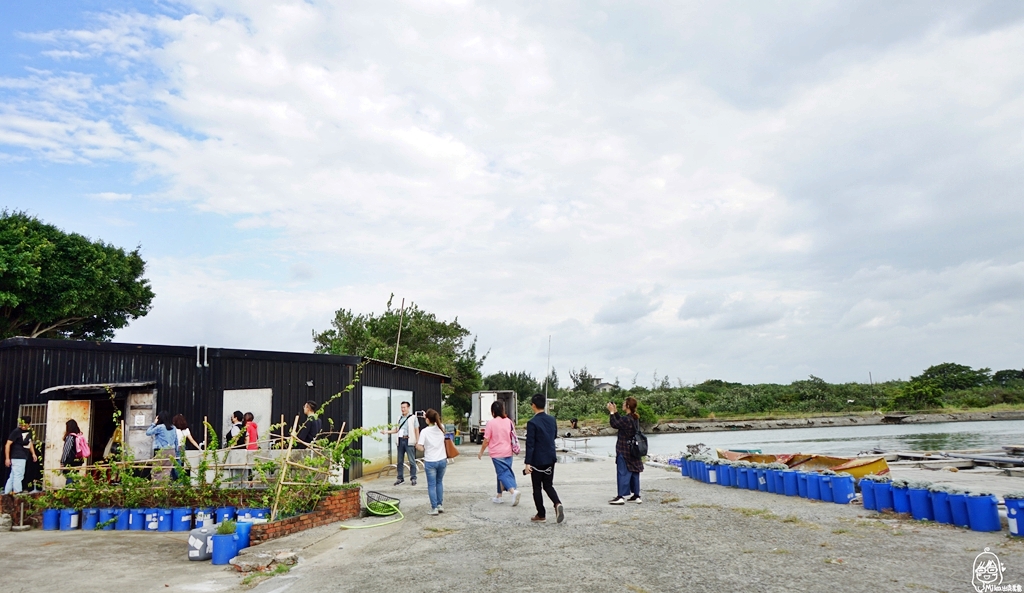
(196,381)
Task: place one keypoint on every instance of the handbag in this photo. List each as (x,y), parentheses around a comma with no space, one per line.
(450,450)
(638,447)
(515,441)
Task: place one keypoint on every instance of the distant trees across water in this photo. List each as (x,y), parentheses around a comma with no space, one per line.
(946,385)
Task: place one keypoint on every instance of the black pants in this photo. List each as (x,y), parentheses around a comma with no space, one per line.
(542,479)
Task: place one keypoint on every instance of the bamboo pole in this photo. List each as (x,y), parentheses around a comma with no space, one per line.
(284,469)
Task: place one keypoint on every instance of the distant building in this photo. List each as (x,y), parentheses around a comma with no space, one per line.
(603,386)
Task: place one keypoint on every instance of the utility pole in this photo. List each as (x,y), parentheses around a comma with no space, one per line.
(401,317)
(547,377)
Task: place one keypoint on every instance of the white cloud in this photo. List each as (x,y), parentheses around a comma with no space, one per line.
(804,201)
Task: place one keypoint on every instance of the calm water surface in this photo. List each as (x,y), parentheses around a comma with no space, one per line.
(843,440)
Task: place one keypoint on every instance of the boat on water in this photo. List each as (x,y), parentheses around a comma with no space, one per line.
(858,467)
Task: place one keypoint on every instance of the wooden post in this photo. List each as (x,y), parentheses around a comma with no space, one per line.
(284,468)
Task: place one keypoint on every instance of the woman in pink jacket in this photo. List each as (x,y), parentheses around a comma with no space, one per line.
(498,437)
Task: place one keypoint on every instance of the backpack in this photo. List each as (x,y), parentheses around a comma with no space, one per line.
(638,448)
(82,450)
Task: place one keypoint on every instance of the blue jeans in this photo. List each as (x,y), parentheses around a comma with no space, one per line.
(503,468)
(435,481)
(405,448)
(17,476)
(629,482)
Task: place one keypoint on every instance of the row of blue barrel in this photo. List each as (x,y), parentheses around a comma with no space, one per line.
(980,512)
(838,488)
(177,519)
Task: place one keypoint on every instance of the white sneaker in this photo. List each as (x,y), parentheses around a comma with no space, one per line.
(515,498)
(440,509)
(432,512)
(497,500)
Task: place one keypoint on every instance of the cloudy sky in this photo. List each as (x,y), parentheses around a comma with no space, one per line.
(736,190)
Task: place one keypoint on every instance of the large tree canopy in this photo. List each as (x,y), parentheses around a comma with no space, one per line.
(427,343)
(63,285)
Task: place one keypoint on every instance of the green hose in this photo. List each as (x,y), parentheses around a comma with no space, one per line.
(383,508)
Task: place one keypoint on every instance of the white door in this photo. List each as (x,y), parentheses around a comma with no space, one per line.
(257,401)
(140,414)
(376,410)
(57,415)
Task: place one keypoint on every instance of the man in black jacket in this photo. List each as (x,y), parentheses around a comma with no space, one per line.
(311,428)
(541,431)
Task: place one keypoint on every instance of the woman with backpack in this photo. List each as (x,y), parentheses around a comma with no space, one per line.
(627,465)
(75,452)
(165,445)
(500,438)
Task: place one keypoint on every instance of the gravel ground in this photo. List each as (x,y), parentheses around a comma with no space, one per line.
(685,536)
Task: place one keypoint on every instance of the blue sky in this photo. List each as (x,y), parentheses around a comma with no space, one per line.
(727,190)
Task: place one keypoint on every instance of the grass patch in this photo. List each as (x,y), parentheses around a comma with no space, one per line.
(636,589)
(685,517)
(794,520)
(780,551)
(258,577)
(763,513)
(669,499)
(840,531)
(701,505)
(438,531)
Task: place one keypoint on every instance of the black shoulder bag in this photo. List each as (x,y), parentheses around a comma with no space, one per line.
(638,448)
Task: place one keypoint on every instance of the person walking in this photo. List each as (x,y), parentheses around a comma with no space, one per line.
(17,451)
(627,467)
(435,460)
(310,428)
(541,431)
(69,457)
(498,436)
(235,436)
(165,445)
(408,428)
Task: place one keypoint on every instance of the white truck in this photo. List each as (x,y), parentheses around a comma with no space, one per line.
(481,412)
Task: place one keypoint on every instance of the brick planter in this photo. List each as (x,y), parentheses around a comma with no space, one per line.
(339,506)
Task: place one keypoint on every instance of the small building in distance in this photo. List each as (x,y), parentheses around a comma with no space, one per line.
(51,381)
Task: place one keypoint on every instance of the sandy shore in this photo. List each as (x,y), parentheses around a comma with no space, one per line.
(771,423)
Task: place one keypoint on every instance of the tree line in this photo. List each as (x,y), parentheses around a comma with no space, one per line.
(946,385)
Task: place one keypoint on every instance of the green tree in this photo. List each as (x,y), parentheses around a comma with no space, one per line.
(55,284)
(427,343)
(918,394)
(950,376)
(582,380)
(521,382)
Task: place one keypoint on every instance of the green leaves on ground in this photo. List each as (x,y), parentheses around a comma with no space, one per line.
(55,284)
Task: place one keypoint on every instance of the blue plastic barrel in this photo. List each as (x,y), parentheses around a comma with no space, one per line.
(261,513)
(225,514)
(900,500)
(769,476)
(780,483)
(801,484)
(242,529)
(790,483)
(243,515)
(752,479)
(958,510)
(164,519)
(761,480)
(51,519)
(843,489)
(107,517)
(921,504)
(723,475)
(741,477)
(123,517)
(814,486)
(152,519)
(867,495)
(181,519)
(713,474)
(90,518)
(68,519)
(883,496)
(1014,514)
(684,467)
(983,513)
(136,519)
(940,508)
(223,548)
(204,514)
(826,488)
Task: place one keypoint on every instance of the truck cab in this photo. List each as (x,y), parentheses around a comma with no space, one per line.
(481,411)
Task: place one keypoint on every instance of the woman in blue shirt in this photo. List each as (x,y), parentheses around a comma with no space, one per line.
(165,445)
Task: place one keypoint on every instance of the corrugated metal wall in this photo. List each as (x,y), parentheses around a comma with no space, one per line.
(28,366)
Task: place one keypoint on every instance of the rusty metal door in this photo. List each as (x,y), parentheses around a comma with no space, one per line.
(57,414)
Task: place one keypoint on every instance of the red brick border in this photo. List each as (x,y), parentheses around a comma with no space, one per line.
(339,506)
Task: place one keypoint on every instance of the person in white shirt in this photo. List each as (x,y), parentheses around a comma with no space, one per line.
(408,428)
(435,460)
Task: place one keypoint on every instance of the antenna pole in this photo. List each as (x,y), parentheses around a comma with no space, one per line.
(401,317)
